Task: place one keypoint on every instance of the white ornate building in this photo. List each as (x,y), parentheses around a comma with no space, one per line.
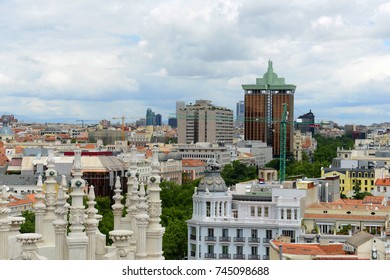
(70,231)
(234,224)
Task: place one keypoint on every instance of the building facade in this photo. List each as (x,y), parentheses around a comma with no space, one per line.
(264,108)
(231,225)
(205,122)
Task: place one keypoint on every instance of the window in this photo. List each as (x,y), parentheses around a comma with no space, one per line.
(288,214)
(268,234)
(225,250)
(210,249)
(208,207)
(281,214)
(258,211)
(239,232)
(225,232)
(252,211)
(254,233)
(254,250)
(265,211)
(239,250)
(210,232)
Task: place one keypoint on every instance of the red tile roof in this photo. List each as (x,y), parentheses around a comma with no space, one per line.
(344,217)
(192,163)
(309,249)
(383,182)
(373,199)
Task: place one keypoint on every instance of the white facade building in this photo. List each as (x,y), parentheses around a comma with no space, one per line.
(239,224)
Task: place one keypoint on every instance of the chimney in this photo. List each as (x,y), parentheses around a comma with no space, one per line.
(280,252)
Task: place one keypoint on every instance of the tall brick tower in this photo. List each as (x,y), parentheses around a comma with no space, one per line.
(264,107)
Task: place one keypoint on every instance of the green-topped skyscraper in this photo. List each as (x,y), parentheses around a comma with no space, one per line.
(264,107)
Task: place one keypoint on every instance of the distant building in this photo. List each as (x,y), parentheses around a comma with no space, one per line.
(150,117)
(205,122)
(264,103)
(240,113)
(306,123)
(158,120)
(172,122)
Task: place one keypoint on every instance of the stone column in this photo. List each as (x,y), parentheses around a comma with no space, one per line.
(77,239)
(60,225)
(14,248)
(29,247)
(91,224)
(117,207)
(5,223)
(50,200)
(39,207)
(121,243)
(142,219)
(155,231)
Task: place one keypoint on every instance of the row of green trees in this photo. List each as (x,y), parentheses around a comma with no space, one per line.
(310,166)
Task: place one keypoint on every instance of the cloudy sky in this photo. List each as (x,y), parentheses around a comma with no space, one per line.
(95,59)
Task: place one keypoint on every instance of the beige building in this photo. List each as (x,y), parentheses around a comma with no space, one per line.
(205,122)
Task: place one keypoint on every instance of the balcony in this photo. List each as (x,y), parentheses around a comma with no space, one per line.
(266,240)
(225,256)
(253,257)
(210,256)
(254,240)
(239,256)
(239,239)
(265,257)
(210,238)
(225,239)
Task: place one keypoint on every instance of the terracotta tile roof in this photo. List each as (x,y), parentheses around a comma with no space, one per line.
(383,182)
(192,163)
(349,204)
(309,248)
(373,199)
(19,201)
(344,217)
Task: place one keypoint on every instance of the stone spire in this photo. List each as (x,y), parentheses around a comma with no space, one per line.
(142,219)
(50,199)
(39,206)
(5,223)
(91,224)
(60,225)
(131,175)
(155,230)
(117,207)
(77,238)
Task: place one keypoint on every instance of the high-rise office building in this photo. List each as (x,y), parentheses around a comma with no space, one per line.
(264,109)
(205,122)
(150,117)
(240,113)
(158,120)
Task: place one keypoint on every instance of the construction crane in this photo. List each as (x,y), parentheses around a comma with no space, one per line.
(283,129)
(123,123)
(82,122)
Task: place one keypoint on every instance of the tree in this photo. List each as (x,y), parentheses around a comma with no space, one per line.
(29,224)
(357,191)
(236,172)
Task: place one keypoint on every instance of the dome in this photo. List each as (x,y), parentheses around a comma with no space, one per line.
(212,181)
(5,130)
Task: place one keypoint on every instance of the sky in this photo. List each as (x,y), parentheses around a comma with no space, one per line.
(102,59)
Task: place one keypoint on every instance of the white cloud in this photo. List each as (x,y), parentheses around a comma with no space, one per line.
(156,52)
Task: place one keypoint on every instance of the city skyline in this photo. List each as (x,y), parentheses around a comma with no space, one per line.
(99,60)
